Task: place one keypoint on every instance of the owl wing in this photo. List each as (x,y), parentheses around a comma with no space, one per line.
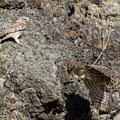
(103,70)
(113,80)
(15,28)
(99,97)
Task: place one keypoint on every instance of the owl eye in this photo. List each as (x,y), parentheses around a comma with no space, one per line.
(27,21)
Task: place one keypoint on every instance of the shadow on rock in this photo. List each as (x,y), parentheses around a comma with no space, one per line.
(54,106)
(77,108)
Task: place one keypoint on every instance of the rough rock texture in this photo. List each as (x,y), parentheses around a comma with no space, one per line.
(35,79)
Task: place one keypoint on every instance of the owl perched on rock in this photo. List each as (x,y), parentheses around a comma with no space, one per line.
(15,30)
(99,80)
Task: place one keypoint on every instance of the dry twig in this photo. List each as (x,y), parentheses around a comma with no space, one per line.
(103,49)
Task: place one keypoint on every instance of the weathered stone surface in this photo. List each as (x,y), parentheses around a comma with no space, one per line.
(4,3)
(35,78)
(117,117)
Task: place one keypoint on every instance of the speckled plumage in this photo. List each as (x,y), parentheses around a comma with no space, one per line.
(99,80)
(15,30)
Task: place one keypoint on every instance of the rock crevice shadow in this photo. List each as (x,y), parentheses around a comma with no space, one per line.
(77,108)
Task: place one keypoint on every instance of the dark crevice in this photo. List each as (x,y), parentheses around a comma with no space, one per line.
(72,10)
(77,108)
(53,106)
(14,5)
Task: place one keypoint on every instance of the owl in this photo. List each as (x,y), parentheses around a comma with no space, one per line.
(99,80)
(15,30)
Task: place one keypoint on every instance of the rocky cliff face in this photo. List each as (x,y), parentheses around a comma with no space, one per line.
(35,79)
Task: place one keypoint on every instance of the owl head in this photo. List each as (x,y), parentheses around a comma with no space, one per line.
(78,72)
(23,19)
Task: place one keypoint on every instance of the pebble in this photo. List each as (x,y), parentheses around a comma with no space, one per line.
(73,34)
(38,3)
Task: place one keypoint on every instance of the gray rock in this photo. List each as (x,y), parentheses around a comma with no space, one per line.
(35,80)
(117,117)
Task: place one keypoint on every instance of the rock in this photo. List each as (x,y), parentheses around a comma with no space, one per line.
(117,117)
(4,3)
(36,80)
(13,4)
(105,117)
(73,34)
(38,3)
